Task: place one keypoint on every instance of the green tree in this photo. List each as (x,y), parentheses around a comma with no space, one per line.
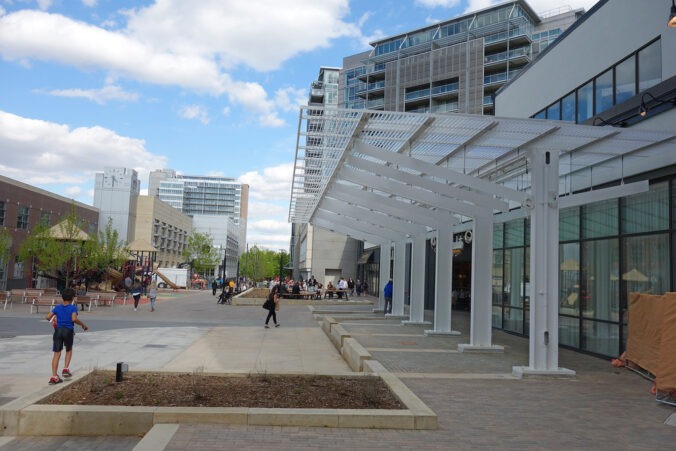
(60,252)
(201,253)
(259,264)
(104,252)
(5,246)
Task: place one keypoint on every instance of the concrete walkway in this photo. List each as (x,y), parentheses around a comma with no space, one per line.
(478,403)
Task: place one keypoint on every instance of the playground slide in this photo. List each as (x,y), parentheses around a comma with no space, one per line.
(167,281)
(114,274)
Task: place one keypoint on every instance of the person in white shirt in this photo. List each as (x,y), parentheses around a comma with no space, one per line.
(342,285)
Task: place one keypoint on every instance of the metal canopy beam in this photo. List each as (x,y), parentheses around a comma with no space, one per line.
(468,141)
(392,206)
(433,200)
(347,231)
(454,192)
(359,226)
(359,213)
(436,171)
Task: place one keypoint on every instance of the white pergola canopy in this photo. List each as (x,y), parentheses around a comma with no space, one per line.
(391,177)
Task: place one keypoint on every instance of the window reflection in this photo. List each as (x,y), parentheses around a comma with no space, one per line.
(585,102)
(604,91)
(625,80)
(650,66)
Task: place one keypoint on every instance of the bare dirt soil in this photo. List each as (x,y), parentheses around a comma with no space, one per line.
(200,390)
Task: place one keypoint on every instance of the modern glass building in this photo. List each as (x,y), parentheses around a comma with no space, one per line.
(452,66)
(198,196)
(625,78)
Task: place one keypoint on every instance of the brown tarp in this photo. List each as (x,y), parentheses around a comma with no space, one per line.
(666,374)
(645,330)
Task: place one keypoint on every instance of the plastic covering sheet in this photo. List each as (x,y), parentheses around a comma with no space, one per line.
(645,330)
(666,374)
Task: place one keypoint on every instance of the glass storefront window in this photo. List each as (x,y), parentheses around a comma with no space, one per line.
(650,66)
(625,80)
(569,279)
(569,224)
(585,102)
(601,338)
(599,280)
(497,278)
(569,331)
(514,233)
(513,290)
(599,219)
(604,91)
(646,268)
(646,212)
(568,108)
(497,235)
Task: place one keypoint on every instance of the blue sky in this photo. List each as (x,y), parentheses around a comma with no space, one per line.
(205,87)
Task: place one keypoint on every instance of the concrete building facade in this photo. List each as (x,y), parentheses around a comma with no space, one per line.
(22,208)
(164,228)
(116,191)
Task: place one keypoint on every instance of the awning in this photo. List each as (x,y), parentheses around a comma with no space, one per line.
(365,257)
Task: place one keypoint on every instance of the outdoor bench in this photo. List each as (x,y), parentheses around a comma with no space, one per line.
(43,301)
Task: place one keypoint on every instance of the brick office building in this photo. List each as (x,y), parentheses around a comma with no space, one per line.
(22,208)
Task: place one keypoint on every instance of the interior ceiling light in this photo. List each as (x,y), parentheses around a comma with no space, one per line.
(672,15)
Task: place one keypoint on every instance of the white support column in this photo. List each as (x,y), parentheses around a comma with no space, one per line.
(544,269)
(443,284)
(385,252)
(399,280)
(417,311)
(482,259)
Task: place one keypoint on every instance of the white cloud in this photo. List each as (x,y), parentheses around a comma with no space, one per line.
(100,96)
(38,152)
(44,4)
(90,3)
(269,192)
(73,191)
(273,184)
(212,43)
(195,112)
(290,99)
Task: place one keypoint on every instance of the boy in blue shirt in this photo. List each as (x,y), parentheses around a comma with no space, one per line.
(64,333)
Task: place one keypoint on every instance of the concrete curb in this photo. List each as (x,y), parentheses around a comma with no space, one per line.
(23,417)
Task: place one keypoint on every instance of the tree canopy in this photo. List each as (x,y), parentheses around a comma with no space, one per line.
(65,252)
(259,264)
(201,253)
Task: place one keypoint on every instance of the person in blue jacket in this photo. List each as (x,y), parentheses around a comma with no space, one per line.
(64,333)
(387,293)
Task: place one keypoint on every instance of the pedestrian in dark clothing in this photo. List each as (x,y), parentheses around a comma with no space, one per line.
(272,305)
(136,292)
(214,287)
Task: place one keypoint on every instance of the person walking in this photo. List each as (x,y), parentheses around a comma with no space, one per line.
(65,315)
(136,293)
(272,305)
(387,293)
(350,286)
(152,294)
(214,287)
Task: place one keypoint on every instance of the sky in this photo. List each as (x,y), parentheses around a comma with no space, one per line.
(204,87)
